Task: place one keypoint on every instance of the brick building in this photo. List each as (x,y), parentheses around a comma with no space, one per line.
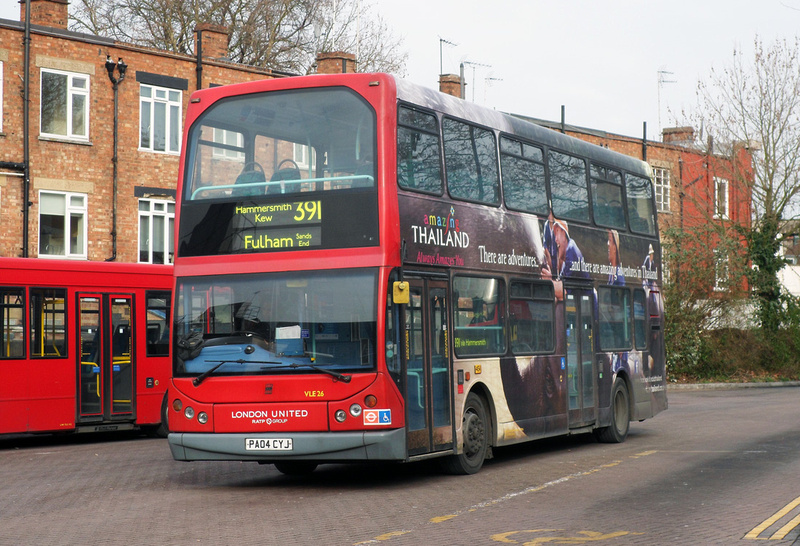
(79,205)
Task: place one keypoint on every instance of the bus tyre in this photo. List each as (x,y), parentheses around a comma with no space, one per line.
(617,431)
(475,429)
(160,430)
(296,468)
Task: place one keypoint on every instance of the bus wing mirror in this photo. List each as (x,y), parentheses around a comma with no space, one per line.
(400,292)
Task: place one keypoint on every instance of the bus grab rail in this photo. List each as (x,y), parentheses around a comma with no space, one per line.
(366,177)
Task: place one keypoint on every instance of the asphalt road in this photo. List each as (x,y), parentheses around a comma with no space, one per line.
(719,467)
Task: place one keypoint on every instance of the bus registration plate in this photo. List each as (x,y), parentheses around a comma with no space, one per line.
(268,444)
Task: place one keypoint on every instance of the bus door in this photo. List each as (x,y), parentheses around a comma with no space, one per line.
(581,378)
(427,366)
(105,360)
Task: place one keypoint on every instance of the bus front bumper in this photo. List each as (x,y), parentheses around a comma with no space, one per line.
(387,445)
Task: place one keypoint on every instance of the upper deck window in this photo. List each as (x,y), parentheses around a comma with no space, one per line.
(607,197)
(640,205)
(568,186)
(419,166)
(524,185)
(470,155)
(334,127)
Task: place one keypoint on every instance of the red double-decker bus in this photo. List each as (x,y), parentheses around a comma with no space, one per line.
(84,345)
(371,270)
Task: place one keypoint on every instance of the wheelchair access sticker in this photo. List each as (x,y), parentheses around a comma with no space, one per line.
(377,417)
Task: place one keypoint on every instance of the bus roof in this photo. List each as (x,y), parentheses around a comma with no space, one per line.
(447,104)
(436,100)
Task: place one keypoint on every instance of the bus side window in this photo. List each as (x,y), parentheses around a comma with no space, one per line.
(13,308)
(419,165)
(479,324)
(607,198)
(640,205)
(158,321)
(524,185)
(640,318)
(48,323)
(568,186)
(614,306)
(531,318)
(470,156)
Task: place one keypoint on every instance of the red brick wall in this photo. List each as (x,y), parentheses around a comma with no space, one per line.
(87,167)
(48,13)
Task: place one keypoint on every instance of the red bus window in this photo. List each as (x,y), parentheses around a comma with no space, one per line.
(48,324)
(13,309)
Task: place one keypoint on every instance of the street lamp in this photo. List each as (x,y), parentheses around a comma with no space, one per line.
(120,67)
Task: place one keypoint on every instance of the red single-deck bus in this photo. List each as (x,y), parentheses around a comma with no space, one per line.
(84,345)
(367,270)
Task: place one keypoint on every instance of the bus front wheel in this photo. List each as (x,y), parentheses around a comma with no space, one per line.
(617,431)
(475,429)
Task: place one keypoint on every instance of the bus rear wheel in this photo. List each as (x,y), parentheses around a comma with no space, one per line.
(296,468)
(475,429)
(617,431)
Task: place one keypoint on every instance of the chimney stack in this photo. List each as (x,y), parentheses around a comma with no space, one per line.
(450,84)
(47,13)
(680,136)
(214,39)
(336,62)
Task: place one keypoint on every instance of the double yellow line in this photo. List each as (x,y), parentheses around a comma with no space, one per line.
(780,514)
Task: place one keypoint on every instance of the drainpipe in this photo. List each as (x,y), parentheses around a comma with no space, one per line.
(644,141)
(121,67)
(199,53)
(26,129)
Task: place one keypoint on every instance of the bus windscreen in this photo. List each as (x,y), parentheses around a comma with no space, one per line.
(276,323)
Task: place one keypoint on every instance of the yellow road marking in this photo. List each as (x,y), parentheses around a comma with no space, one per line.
(582,537)
(440,519)
(783,531)
(775,517)
(589,535)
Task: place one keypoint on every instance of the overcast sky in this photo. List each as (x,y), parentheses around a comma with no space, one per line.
(599,58)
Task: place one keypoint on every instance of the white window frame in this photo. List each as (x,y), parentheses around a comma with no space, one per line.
(149,211)
(301,153)
(172,102)
(76,206)
(74,93)
(721,198)
(231,138)
(661,179)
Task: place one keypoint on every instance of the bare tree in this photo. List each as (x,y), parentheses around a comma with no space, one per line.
(283,35)
(755,102)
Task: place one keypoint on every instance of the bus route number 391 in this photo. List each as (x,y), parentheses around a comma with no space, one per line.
(268,444)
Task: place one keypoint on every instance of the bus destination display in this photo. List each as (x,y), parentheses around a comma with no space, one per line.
(278,226)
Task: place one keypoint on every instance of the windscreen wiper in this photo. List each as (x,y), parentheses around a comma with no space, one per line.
(202,377)
(337,375)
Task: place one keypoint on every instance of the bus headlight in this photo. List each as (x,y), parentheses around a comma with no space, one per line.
(189,412)
(355,410)
(340,416)
(202,418)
